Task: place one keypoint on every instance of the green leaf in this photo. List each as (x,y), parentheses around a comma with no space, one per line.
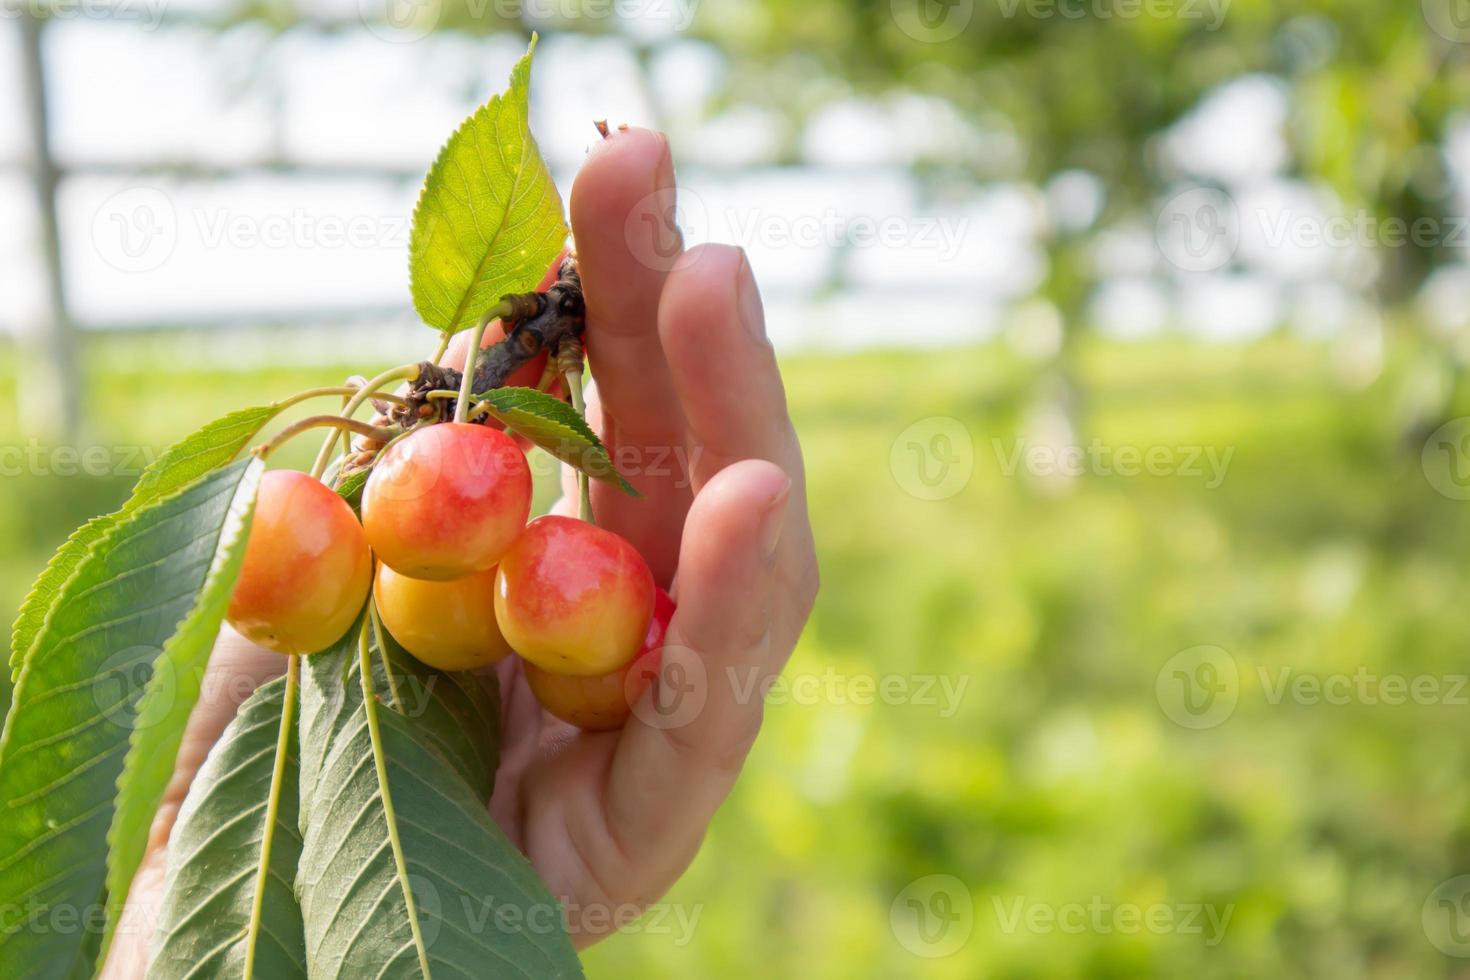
(556,427)
(64,739)
(207,919)
(350,490)
(168,699)
(211,446)
(489,219)
(429,780)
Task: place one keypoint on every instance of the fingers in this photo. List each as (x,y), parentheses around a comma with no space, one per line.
(713,331)
(622,220)
(623,196)
(682,749)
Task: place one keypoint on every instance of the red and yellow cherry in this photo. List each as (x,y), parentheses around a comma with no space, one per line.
(446,501)
(600,704)
(448,625)
(573,598)
(307,569)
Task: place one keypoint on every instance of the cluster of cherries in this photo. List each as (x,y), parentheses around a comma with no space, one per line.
(461,579)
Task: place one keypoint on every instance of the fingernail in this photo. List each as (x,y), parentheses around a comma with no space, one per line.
(748,300)
(774,520)
(663,174)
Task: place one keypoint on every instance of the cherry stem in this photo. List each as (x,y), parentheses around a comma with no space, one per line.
(273,805)
(570,359)
(548,376)
(443,346)
(406,372)
(378,635)
(472,357)
(342,391)
(336,422)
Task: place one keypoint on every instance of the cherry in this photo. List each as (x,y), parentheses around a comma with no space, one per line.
(446,500)
(307,569)
(573,598)
(602,703)
(448,625)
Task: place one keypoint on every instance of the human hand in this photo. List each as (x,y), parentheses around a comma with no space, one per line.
(689,398)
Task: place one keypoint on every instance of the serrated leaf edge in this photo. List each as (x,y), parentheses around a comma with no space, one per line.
(520,75)
(223,571)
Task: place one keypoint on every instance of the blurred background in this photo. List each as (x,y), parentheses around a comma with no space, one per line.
(1127,341)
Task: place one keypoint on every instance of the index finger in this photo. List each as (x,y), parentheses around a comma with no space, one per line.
(622,221)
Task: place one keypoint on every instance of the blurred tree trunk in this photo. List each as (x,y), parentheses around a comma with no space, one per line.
(48,385)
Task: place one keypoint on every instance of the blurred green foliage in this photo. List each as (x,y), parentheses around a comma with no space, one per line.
(1058,782)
